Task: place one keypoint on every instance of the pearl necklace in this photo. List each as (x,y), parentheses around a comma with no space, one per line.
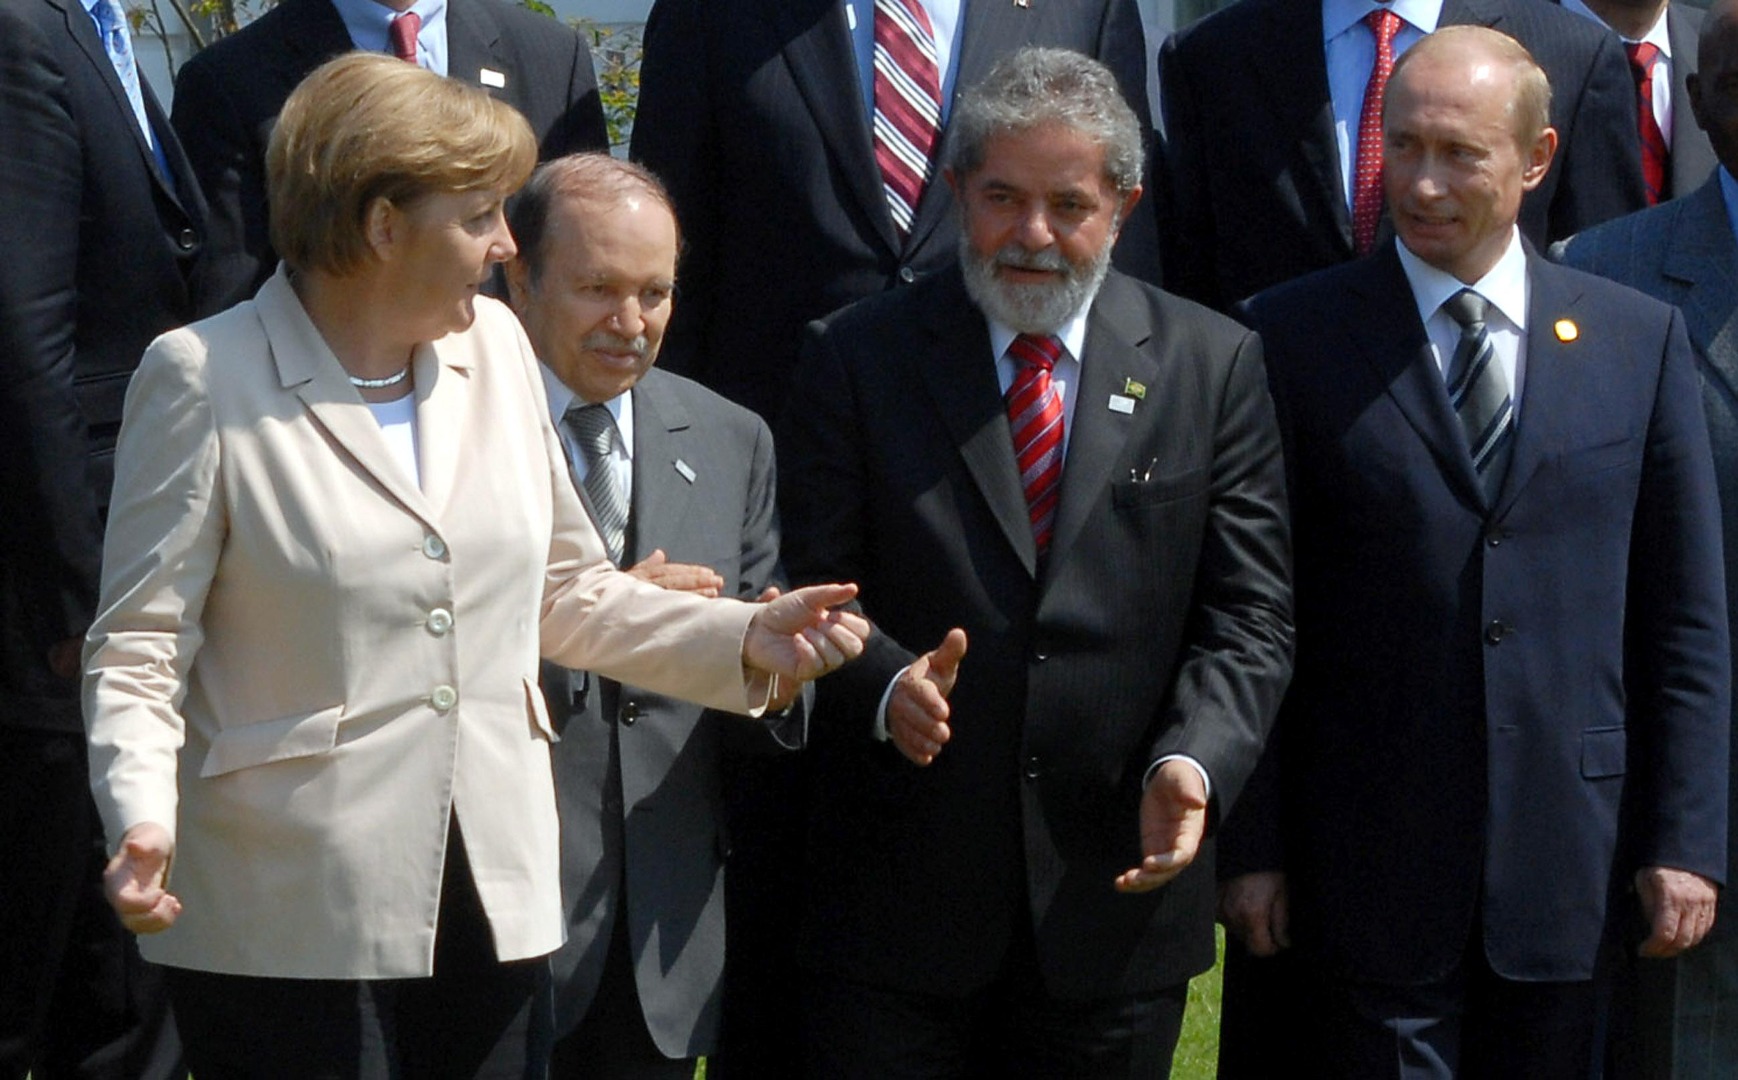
(381,384)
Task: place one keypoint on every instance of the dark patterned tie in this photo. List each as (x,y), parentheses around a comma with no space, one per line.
(1367,176)
(1655,158)
(401,32)
(593,431)
(907,104)
(1035,418)
(1479,391)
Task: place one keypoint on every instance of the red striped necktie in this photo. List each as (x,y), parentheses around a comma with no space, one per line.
(907,104)
(1643,58)
(1035,418)
(401,34)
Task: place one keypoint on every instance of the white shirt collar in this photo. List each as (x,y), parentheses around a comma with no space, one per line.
(1339,16)
(1072,333)
(561,398)
(1505,286)
(1656,34)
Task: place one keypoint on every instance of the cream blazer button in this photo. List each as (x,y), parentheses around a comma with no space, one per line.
(443,698)
(434,547)
(440,620)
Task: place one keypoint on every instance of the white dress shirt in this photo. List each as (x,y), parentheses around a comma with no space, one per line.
(1657,37)
(621,407)
(1350,47)
(1505,287)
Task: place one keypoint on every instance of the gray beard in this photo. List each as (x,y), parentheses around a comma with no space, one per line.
(1031,309)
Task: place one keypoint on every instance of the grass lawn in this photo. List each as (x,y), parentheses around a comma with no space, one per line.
(1198,1048)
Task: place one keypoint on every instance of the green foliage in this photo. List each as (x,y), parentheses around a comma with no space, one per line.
(616,52)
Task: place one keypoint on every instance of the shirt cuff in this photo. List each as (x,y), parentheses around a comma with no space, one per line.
(1152,769)
(879,731)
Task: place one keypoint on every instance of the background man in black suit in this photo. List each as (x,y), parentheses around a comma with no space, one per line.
(1510,616)
(1121,579)
(227,97)
(101,224)
(1659,37)
(1679,1017)
(638,985)
(1263,111)
(758,114)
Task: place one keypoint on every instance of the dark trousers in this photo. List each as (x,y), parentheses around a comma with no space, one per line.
(75,998)
(1677,1019)
(475,1017)
(1013,1027)
(612,1042)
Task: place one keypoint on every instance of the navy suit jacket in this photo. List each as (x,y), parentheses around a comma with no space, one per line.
(228,96)
(1256,188)
(639,776)
(1159,622)
(752,113)
(98,255)
(1481,690)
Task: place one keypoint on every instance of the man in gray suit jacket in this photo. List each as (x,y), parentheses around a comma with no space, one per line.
(680,483)
(1679,1017)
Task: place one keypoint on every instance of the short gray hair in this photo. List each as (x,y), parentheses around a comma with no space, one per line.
(1033,87)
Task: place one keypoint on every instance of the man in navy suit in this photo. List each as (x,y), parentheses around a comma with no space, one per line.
(1512,687)
(101,228)
(1265,102)
(1679,1016)
(227,97)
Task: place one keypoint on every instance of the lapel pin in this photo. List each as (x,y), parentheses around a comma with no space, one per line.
(686,471)
(1022,3)
(1134,389)
(1566,330)
(1122,403)
(491,77)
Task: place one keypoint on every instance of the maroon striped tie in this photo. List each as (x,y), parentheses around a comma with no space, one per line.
(1035,417)
(401,34)
(907,104)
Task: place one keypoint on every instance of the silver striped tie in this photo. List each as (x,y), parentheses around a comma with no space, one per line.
(593,431)
(1479,391)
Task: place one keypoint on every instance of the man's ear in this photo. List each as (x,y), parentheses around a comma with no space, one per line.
(518,276)
(1539,157)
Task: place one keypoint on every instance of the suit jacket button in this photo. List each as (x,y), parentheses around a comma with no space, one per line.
(1496,631)
(187,240)
(907,275)
(630,712)
(1032,770)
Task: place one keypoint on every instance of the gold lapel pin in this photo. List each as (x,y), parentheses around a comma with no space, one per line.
(1134,389)
(1566,330)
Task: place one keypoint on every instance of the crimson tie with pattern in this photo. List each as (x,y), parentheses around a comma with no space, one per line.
(907,104)
(401,32)
(1035,418)
(1655,158)
(1367,176)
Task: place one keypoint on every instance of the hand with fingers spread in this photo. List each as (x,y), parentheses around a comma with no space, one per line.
(917,710)
(1255,910)
(134,880)
(1679,906)
(657,569)
(804,633)
(1173,821)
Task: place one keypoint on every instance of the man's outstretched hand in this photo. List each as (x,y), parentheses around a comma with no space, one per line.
(917,710)
(1173,821)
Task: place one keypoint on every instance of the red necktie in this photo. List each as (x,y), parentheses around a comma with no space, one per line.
(1654,155)
(1367,176)
(1035,418)
(907,104)
(402,34)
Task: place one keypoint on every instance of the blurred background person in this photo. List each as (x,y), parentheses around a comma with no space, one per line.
(343,531)
(228,95)
(101,225)
(1679,1017)
(680,484)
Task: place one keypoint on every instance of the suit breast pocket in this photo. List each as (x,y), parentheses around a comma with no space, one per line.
(1154,491)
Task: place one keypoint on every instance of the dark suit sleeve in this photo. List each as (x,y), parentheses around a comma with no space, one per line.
(823,498)
(53,540)
(1238,655)
(1600,161)
(674,136)
(1188,219)
(1122,47)
(1676,635)
(581,126)
(231,171)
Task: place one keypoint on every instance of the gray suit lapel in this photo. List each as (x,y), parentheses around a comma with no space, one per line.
(472,37)
(662,491)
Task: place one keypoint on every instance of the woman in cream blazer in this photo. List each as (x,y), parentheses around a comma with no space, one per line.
(341,537)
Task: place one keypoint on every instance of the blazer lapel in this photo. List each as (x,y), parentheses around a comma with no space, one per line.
(824,66)
(472,37)
(661,489)
(84,31)
(1702,253)
(1115,331)
(443,372)
(307,368)
(1394,345)
(1290,61)
(1552,377)
(960,375)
